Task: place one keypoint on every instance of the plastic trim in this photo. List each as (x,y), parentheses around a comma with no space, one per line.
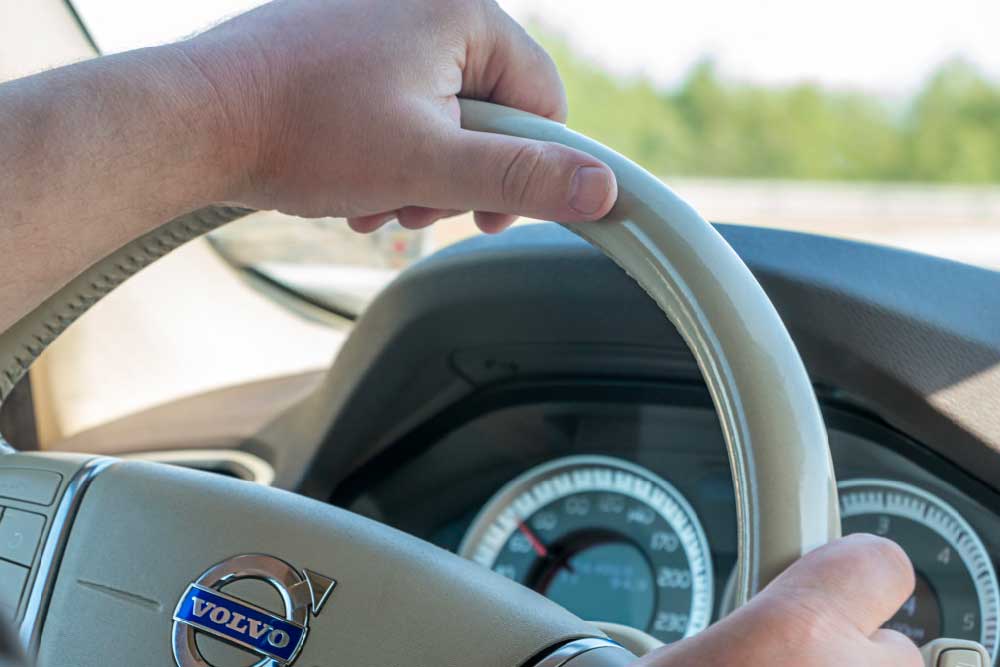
(567,652)
(52,552)
(239,464)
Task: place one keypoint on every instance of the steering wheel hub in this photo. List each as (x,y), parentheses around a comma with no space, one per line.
(276,639)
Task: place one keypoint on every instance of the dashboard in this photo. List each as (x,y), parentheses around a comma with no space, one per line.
(615,500)
(517,399)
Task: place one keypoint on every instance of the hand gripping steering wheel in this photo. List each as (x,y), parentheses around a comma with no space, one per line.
(139,563)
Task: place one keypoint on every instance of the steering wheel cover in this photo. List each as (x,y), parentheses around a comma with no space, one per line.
(786,492)
(26,339)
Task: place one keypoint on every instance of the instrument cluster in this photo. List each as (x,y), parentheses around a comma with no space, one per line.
(606,539)
(611,541)
(623,511)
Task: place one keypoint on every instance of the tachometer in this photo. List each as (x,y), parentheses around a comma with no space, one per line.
(607,539)
(956,593)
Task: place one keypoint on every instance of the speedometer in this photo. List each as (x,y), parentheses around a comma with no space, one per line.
(607,539)
(956,591)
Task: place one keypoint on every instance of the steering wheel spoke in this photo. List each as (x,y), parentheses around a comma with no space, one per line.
(141,548)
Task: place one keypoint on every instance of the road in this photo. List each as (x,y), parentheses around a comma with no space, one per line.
(326,260)
(957,222)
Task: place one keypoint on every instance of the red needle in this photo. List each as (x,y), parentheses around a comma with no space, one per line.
(536,543)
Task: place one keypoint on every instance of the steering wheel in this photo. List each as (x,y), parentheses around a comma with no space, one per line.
(138,563)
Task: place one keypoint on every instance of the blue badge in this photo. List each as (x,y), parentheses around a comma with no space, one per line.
(240,623)
(275,639)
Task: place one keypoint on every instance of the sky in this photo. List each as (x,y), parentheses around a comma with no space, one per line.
(886,47)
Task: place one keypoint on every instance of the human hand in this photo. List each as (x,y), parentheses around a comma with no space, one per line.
(350,108)
(824,611)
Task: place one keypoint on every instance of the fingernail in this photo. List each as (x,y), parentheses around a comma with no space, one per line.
(589,190)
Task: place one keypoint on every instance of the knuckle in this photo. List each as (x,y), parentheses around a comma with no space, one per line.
(910,655)
(797,621)
(905,653)
(489,9)
(886,554)
(463,10)
(520,173)
(555,104)
(893,553)
(806,626)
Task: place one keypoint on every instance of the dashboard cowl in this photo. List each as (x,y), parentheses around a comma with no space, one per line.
(911,338)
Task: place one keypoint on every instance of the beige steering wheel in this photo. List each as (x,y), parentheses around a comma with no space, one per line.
(135,532)
(786,494)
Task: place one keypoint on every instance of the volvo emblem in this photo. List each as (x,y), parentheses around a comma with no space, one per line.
(276,639)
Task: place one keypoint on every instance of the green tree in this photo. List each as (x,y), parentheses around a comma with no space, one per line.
(953,131)
(711,126)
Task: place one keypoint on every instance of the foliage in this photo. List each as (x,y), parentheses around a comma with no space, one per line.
(710,126)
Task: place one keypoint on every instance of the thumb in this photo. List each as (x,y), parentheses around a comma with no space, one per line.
(501,174)
(860,580)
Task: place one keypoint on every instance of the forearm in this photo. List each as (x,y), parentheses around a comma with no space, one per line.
(96,154)
(311,107)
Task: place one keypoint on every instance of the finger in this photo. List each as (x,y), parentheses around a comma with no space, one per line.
(493,223)
(508,67)
(418,217)
(899,650)
(861,580)
(492,172)
(366,224)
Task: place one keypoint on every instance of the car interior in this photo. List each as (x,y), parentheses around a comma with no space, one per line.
(554,445)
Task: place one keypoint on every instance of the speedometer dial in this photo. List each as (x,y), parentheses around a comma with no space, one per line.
(956,591)
(607,539)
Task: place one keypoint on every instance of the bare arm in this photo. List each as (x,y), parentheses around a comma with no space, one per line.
(344,108)
(94,155)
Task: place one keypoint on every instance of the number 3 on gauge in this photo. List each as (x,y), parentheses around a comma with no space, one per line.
(956,592)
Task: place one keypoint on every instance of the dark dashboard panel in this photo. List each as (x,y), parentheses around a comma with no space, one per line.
(912,339)
(500,354)
(435,482)
(436,493)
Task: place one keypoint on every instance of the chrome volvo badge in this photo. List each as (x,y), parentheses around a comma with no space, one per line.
(276,639)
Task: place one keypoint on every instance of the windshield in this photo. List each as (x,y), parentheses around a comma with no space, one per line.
(877,121)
